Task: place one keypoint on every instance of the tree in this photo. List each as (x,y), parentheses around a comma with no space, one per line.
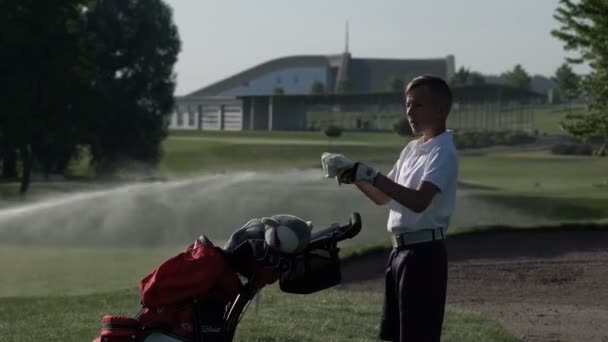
(567,82)
(466,77)
(518,77)
(344,87)
(584,29)
(395,84)
(40,66)
(317,88)
(84,73)
(135,44)
(333,131)
(278,91)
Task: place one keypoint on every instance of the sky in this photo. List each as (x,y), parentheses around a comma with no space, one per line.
(221,38)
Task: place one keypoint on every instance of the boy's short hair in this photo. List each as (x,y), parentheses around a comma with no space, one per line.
(439,89)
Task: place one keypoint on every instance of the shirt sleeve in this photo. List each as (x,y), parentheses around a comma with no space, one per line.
(441,169)
(392,175)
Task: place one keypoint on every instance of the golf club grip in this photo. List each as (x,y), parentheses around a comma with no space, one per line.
(336,234)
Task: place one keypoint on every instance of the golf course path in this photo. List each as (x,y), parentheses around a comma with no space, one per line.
(540,285)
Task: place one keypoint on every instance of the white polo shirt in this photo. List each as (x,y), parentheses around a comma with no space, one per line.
(435,161)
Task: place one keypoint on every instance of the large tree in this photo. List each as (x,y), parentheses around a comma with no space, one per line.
(97,73)
(584,29)
(40,43)
(136,45)
(518,77)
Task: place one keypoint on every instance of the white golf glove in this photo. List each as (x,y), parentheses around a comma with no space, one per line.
(335,164)
(346,170)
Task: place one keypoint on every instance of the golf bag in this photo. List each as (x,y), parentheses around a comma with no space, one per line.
(198,295)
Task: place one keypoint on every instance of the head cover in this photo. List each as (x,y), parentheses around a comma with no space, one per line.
(252,230)
(286,233)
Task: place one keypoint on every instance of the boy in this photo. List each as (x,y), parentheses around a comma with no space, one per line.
(421,193)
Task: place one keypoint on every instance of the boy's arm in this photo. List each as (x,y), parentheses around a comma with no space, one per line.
(385,190)
(440,170)
(377,196)
(417,200)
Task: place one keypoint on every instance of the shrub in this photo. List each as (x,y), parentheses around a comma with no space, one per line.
(481,139)
(332,131)
(518,138)
(572,149)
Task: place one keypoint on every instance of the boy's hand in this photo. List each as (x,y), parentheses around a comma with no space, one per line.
(335,164)
(346,170)
(358,173)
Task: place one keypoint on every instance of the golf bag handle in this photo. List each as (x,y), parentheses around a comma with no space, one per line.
(335,233)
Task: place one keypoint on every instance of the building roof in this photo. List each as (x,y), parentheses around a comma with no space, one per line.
(259,70)
(365,74)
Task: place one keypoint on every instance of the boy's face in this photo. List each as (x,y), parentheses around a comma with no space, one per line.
(423,113)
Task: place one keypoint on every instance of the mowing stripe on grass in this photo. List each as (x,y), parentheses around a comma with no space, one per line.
(329,315)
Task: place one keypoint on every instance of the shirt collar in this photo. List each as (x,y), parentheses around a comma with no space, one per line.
(441,139)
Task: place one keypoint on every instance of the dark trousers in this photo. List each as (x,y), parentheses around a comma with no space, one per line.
(414,297)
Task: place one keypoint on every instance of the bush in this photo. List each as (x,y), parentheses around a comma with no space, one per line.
(518,138)
(572,149)
(402,127)
(332,131)
(481,139)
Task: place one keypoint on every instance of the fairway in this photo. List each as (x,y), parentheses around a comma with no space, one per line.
(90,241)
(326,316)
(510,188)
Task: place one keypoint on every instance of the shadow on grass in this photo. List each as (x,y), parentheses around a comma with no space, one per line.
(551,208)
(473,186)
(333,316)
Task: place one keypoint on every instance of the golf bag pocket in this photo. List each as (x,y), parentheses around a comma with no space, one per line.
(312,271)
(119,329)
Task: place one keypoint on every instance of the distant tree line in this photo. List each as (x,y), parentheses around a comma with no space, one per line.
(84,75)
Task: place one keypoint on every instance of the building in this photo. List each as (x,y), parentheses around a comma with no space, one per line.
(232,103)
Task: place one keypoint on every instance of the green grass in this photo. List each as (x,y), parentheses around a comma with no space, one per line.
(71,270)
(547,118)
(536,172)
(557,208)
(540,183)
(591,225)
(298,136)
(330,315)
(202,151)
(195,156)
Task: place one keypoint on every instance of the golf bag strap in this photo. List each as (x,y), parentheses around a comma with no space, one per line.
(196,321)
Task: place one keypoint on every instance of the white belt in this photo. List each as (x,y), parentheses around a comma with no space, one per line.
(420,236)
